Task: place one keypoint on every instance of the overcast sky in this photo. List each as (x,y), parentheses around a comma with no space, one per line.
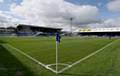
(57,13)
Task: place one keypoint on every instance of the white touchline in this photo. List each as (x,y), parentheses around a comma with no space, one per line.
(90,55)
(28,56)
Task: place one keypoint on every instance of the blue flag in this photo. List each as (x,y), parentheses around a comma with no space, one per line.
(58,37)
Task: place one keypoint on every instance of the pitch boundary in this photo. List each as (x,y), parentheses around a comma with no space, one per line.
(7,46)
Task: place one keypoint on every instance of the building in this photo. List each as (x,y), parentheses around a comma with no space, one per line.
(29,30)
(100,31)
(23,29)
(7,30)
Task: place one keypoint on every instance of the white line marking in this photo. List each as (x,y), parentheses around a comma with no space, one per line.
(28,56)
(90,55)
(62,64)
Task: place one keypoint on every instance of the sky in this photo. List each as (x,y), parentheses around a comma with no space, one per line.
(57,13)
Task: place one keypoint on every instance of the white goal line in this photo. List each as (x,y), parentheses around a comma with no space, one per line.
(88,56)
(7,46)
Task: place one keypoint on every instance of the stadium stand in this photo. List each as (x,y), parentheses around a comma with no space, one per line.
(29,30)
(7,30)
(111,32)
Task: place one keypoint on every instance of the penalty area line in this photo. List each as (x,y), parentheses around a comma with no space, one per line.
(7,46)
(88,56)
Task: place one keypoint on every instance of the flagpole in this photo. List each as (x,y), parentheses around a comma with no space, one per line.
(56,57)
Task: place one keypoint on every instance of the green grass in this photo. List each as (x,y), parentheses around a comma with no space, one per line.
(104,63)
(10,65)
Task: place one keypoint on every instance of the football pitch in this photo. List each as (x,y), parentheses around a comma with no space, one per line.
(77,56)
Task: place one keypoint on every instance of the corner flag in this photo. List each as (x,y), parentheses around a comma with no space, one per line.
(58,38)
(57,42)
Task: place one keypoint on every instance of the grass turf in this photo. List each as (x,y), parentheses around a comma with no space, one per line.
(70,50)
(10,65)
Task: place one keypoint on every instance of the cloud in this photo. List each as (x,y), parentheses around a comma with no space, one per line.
(114,5)
(1,1)
(7,20)
(4,18)
(111,22)
(114,22)
(54,12)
